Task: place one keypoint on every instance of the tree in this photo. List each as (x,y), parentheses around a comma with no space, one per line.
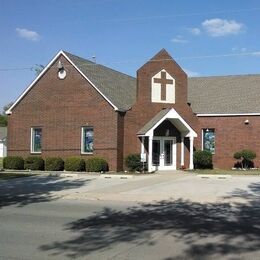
(38,68)
(3,116)
(246,157)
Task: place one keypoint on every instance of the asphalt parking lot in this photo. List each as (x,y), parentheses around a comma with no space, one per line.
(144,188)
(159,216)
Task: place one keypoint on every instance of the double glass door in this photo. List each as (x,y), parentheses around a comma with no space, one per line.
(164,153)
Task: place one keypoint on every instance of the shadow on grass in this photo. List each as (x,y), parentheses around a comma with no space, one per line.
(34,189)
(206,229)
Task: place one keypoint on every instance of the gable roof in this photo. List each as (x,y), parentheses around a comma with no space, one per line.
(3,133)
(117,88)
(218,95)
(225,94)
(153,121)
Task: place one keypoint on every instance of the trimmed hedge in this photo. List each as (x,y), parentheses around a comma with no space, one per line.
(246,157)
(13,162)
(96,164)
(74,164)
(133,162)
(34,163)
(54,164)
(202,160)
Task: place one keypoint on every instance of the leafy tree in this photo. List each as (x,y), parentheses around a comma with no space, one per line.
(246,157)
(38,68)
(3,116)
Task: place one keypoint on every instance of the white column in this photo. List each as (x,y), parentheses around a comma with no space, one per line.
(191,153)
(150,149)
(182,151)
(142,144)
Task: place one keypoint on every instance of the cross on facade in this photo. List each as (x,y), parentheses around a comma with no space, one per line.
(163,81)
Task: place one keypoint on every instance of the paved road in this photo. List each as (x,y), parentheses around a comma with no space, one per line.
(49,218)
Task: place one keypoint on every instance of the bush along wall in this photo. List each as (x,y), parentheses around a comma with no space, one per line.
(54,164)
(13,162)
(75,164)
(34,163)
(246,158)
(96,164)
(133,163)
(202,160)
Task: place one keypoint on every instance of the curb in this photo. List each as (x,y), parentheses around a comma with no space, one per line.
(217,176)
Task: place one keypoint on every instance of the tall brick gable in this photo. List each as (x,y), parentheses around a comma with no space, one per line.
(61,108)
(144,109)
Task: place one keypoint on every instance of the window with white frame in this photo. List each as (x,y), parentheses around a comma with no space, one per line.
(208,140)
(36,140)
(87,139)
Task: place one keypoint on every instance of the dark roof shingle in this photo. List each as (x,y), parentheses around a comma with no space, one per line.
(224,94)
(118,87)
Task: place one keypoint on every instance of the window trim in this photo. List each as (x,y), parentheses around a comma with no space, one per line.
(202,139)
(82,139)
(32,140)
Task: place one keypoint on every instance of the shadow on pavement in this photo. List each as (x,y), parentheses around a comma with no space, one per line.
(34,189)
(206,229)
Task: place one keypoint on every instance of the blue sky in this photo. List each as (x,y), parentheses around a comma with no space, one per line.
(205,37)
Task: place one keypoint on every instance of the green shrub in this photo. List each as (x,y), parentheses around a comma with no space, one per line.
(96,164)
(13,162)
(34,163)
(133,162)
(202,160)
(54,164)
(246,157)
(74,164)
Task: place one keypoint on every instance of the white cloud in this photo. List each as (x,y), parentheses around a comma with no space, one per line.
(179,39)
(256,53)
(194,31)
(191,73)
(220,27)
(27,34)
(236,49)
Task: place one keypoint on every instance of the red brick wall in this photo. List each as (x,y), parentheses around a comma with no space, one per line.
(232,135)
(61,107)
(144,110)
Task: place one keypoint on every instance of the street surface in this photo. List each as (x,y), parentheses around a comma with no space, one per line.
(163,216)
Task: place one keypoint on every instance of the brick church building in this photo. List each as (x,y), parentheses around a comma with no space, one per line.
(79,108)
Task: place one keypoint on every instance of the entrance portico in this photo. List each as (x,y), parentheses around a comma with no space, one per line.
(161,141)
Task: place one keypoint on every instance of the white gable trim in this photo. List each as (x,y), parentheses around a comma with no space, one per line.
(115,107)
(241,114)
(9,111)
(172,114)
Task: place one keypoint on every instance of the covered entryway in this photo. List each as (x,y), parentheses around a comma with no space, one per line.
(159,140)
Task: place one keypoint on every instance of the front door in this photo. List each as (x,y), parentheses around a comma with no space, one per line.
(164,153)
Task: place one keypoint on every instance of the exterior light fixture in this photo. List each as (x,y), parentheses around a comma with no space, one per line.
(246,122)
(61,71)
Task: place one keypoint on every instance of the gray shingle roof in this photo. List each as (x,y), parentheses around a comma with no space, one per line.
(118,87)
(153,121)
(225,94)
(207,95)
(3,133)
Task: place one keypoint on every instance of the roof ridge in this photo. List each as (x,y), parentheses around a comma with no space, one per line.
(98,64)
(226,76)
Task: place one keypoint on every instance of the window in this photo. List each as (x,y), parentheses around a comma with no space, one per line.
(208,140)
(36,140)
(87,140)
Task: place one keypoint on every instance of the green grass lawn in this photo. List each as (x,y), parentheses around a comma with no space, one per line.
(230,172)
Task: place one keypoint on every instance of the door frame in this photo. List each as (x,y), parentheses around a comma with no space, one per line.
(161,165)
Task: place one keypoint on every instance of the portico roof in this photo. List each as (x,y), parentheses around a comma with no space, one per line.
(172,115)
